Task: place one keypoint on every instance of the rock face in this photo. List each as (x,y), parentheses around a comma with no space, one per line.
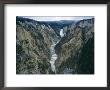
(33,42)
(75,51)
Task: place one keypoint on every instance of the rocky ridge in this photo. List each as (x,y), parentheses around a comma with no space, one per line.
(76,49)
(33,41)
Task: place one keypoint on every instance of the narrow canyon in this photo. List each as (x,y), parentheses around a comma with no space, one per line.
(55,47)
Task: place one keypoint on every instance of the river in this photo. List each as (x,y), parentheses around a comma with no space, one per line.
(53,57)
(53,54)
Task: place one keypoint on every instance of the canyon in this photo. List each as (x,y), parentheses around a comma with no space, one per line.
(57,47)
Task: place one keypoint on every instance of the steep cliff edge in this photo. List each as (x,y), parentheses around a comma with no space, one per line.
(75,51)
(33,42)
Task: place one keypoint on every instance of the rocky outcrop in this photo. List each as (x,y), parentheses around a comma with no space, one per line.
(33,42)
(75,51)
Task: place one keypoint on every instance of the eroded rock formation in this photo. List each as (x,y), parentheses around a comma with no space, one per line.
(76,49)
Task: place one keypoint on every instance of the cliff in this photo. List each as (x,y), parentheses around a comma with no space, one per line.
(33,41)
(76,49)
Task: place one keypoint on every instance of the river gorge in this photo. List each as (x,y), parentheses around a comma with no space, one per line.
(53,54)
(54,47)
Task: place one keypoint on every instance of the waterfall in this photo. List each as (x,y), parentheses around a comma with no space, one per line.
(61,33)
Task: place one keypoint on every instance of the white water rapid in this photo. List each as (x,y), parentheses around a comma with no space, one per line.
(53,58)
(54,55)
